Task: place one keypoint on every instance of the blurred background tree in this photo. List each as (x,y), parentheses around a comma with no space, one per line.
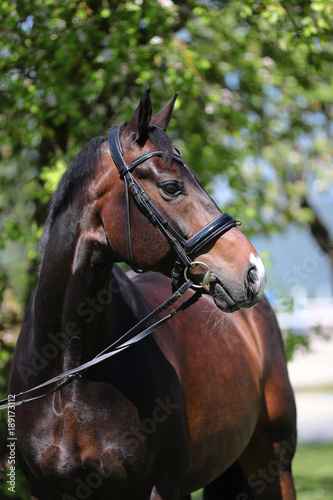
(254,115)
(255,109)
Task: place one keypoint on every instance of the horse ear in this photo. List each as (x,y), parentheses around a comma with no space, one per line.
(137,127)
(163,117)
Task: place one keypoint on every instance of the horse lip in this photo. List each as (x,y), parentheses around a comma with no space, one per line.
(222,298)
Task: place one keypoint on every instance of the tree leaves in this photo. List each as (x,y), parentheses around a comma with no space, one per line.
(255,102)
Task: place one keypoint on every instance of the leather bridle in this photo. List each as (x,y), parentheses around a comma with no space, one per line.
(185,249)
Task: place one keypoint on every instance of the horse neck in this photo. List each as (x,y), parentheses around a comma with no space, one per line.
(76,288)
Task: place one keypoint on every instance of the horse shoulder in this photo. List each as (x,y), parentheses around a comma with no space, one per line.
(278,409)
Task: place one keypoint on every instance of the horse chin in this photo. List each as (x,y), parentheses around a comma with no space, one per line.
(223,300)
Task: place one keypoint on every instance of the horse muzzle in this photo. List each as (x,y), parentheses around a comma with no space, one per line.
(231,294)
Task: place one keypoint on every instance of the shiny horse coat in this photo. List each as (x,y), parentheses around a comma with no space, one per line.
(203,402)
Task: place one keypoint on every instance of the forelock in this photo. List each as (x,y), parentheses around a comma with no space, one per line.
(162,141)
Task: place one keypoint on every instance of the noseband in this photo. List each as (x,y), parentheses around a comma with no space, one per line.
(185,249)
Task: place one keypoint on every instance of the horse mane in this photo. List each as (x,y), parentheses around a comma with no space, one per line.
(82,168)
(78,172)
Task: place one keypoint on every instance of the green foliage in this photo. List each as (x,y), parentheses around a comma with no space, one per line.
(295,341)
(254,79)
(9,319)
(255,104)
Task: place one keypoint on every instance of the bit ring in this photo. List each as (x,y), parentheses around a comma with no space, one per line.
(207,276)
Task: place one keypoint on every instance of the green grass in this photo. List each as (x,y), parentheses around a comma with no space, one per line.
(312,471)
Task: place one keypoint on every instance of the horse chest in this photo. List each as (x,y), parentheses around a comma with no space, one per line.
(84,438)
(111,440)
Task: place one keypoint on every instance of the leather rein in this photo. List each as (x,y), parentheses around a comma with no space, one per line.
(185,249)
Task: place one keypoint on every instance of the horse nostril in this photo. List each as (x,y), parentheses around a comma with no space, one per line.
(253,280)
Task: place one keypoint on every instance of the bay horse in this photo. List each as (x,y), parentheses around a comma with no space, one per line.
(205,400)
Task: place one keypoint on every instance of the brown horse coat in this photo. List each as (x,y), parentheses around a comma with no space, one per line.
(204,401)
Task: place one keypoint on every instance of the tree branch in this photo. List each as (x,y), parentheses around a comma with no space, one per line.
(320,232)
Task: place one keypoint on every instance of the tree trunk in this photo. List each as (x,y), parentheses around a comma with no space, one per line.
(321,234)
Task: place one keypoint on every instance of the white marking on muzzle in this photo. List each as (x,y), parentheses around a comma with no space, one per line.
(258,263)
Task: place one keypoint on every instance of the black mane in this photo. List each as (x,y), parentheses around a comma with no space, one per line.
(81,169)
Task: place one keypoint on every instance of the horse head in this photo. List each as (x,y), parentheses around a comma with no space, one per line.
(225,265)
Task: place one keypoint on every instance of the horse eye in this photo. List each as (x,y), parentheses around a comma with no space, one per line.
(171,188)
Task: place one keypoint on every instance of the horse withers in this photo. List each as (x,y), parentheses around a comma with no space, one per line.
(205,400)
